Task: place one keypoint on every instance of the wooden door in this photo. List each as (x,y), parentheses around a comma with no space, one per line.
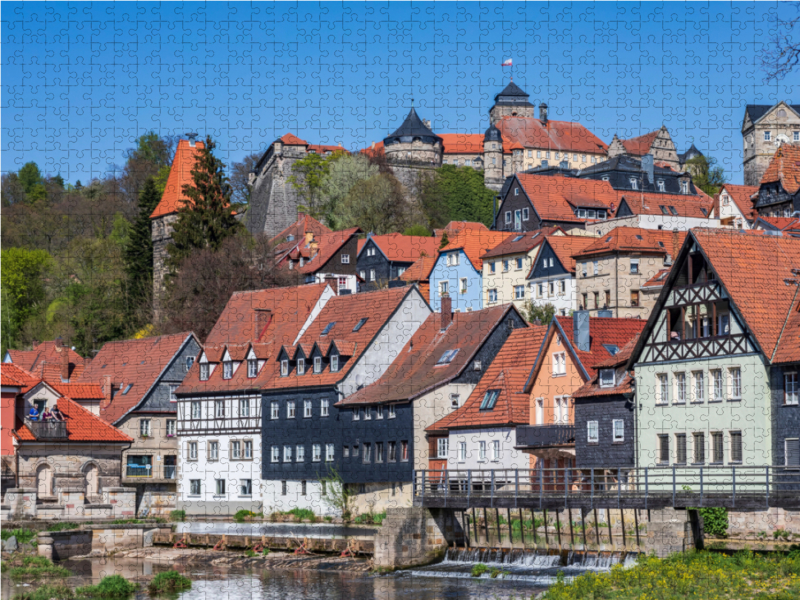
(44,480)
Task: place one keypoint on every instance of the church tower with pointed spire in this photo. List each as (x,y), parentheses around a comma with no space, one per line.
(511,102)
(412,149)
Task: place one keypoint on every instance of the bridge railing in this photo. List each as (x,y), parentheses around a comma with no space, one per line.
(680,486)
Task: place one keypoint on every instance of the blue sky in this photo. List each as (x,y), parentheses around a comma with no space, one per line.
(82,80)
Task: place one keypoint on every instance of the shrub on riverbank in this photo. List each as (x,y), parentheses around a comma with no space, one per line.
(66,526)
(46,592)
(479,569)
(30,568)
(168,582)
(693,575)
(370,518)
(241,515)
(24,536)
(177,515)
(113,587)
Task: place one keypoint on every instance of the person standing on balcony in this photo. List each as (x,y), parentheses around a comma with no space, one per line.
(34,414)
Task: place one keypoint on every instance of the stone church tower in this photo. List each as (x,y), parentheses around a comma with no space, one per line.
(412,150)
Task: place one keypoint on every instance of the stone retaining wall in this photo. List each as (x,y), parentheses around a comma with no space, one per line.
(415,536)
(60,545)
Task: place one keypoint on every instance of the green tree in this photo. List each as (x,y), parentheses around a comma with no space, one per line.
(456,194)
(308,174)
(533,312)
(344,172)
(706,174)
(29,176)
(240,178)
(376,205)
(138,254)
(206,219)
(23,289)
(420,230)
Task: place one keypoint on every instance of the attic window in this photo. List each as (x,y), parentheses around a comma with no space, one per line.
(489,399)
(518,238)
(289,238)
(252,368)
(608,239)
(284,368)
(611,348)
(227,369)
(673,211)
(661,244)
(127,389)
(606,377)
(447,357)
(638,237)
(328,328)
(664,210)
(204,370)
(360,324)
(704,211)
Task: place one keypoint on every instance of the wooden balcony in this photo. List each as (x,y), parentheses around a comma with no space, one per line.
(47,430)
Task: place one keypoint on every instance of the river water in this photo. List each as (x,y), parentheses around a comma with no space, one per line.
(519,574)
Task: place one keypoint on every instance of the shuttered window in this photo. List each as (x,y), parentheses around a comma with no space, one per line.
(792,452)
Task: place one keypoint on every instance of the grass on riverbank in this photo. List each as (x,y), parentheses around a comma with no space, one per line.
(112,587)
(24,536)
(58,591)
(168,582)
(696,575)
(31,568)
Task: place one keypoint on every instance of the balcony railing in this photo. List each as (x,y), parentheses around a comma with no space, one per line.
(151,472)
(47,430)
(545,436)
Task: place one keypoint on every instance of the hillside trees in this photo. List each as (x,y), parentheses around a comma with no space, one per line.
(706,174)
(456,194)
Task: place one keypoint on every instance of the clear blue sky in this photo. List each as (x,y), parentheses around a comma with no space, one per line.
(81,81)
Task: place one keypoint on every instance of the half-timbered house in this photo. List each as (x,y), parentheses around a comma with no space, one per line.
(779,191)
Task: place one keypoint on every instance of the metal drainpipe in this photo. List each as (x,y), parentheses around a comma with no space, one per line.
(616,284)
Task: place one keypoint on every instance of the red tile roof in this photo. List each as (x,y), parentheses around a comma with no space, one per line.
(651,203)
(12,375)
(566,247)
(788,348)
(375,150)
(785,168)
(45,358)
(627,239)
(82,426)
(657,280)
(304,224)
(415,372)
(781,223)
(740,194)
(639,146)
(459,226)
(476,242)
(78,391)
(323,148)
(555,197)
(420,270)
(180,174)
(404,248)
(291,139)
(138,362)
(346,311)
(462,143)
(328,245)
(529,240)
(528,132)
(507,373)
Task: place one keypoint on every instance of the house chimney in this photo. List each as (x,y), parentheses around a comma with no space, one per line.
(543,113)
(34,344)
(261,319)
(675,243)
(192,137)
(106,391)
(648,167)
(447,311)
(580,330)
(64,365)
(59,343)
(373,146)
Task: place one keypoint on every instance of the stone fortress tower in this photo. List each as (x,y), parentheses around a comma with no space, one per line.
(511,102)
(412,150)
(493,176)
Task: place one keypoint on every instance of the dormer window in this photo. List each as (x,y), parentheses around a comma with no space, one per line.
(252,368)
(334,363)
(684,187)
(189,363)
(227,369)
(204,371)
(634,183)
(284,368)
(317,364)
(606,377)
(301,366)
(661,185)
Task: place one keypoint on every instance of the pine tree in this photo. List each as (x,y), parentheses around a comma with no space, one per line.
(139,249)
(206,219)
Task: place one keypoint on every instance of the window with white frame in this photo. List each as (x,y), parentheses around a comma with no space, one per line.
(379,412)
(188,364)
(334,363)
(699,386)
(219,408)
(519,292)
(307,409)
(462,451)
(328,452)
(356,414)
(699,447)
(767,136)
(662,388)
(372,275)
(317,364)
(518,263)
(717,448)
(735,382)
(680,448)
(194,487)
(592,432)
(276,454)
(220,487)
(367,413)
(192,450)
(481,450)
(144,427)
(316,452)
(275,410)
(173,387)
(790,392)
(680,388)
(287,453)
(539,404)
(324,407)
(663,449)
(606,377)
(227,369)
(618,430)
(496,450)
(392,411)
(245,487)
(171,427)
(284,368)
(717,386)
(213,450)
(525,214)
(345,259)
(244,407)
(301,366)
(290,411)
(559,364)
(635,266)
(443,287)
(493,295)
(248,449)
(204,371)
(300,453)
(252,368)
(236,450)
(508,216)
(463,287)
(441,448)
(562,410)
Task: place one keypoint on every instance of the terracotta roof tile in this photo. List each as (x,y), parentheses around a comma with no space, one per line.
(404,248)
(291,139)
(180,174)
(462,143)
(375,150)
(636,239)
(555,197)
(785,168)
(781,223)
(528,132)
(602,330)
(82,426)
(657,280)
(639,146)
(78,391)
(741,196)
(476,242)
(415,370)
(46,352)
(328,245)
(13,375)
(527,242)
(700,206)
(323,148)
(507,373)
(298,229)
(566,247)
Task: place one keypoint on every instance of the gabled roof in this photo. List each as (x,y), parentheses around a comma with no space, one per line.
(741,196)
(415,371)
(756,111)
(44,361)
(657,280)
(397,247)
(297,231)
(784,168)
(527,242)
(700,206)
(180,174)
(636,239)
(82,426)
(240,381)
(639,146)
(565,247)
(555,197)
(776,223)
(529,132)
(139,362)
(475,243)
(454,227)
(12,375)
(420,270)
(346,311)
(507,373)
(328,245)
(291,139)
(462,143)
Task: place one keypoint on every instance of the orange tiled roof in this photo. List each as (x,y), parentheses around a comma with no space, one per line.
(328,245)
(192,384)
(636,239)
(741,196)
(404,248)
(657,280)
(304,224)
(507,373)
(566,247)
(788,348)
(528,132)
(462,143)
(78,391)
(375,150)
(785,168)
(527,242)
(415,371)
(555,197)
(639,146)
(291,139)
(13,375)
(323,148)
(46,352)
(82,426)
(346,311)
(475,243)
(420,271)
(138,362)
(651,203)
(180,174)
(781,223)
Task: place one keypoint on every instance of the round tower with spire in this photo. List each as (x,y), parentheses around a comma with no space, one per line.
(493,176)
(413,148)
(511,102)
